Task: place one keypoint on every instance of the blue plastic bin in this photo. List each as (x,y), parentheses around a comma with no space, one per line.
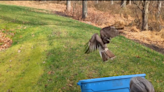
(108,84)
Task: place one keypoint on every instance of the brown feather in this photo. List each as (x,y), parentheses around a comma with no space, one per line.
(110,54)
(104,56)
(107,54)
(107,33)
(94,43)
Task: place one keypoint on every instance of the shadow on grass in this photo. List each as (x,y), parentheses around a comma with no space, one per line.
(60,70)
(26,16)
(158,49)
(61,14)
(38,21)
(42,21)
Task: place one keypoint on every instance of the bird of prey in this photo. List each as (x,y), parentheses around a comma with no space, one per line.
(100,42)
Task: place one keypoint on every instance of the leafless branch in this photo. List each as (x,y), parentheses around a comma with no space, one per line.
(137,5)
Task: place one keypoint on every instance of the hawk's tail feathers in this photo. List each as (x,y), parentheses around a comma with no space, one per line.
(106,54)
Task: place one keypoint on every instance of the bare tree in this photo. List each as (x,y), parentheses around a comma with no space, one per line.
(130,2)
(145,12)
(68,5)
(97,1)
(74,7)
(159,9)
(84,9)
(112,2)
(123,3)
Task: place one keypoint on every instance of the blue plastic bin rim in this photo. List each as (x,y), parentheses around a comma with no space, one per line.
(109,78)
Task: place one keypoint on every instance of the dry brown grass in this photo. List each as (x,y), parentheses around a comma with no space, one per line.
(161,33)
(148,38)
(134,29)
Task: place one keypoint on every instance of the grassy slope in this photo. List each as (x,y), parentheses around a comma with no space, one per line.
(47,54)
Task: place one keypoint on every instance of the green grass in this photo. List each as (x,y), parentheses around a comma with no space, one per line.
(1,43)
(47,54)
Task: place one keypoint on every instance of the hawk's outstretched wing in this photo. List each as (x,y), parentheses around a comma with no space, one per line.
(94,43)
(109,32)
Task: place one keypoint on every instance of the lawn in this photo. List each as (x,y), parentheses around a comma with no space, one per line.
(47,54)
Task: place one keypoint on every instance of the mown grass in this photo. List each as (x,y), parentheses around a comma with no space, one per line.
(47,54)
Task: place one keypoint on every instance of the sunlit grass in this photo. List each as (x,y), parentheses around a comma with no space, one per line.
(47,54)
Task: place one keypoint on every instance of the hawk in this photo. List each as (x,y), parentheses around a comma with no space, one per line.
(100,42)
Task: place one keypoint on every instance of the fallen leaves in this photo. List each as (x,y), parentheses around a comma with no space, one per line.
(9,90)
(20,36)
(46,85)
(5,41)
(148,38)
(70,85)
(51,72)
(19,51)
(138,56)
(32,34)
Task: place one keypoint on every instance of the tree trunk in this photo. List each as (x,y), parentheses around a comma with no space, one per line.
(159,9)
(124,4)
(68,5)
(84,9)
(74,8)
(130,2)
(145,15)
(97,1)
(112,2)
(42,1)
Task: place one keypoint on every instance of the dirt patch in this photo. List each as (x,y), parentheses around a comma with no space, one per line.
(151,39)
